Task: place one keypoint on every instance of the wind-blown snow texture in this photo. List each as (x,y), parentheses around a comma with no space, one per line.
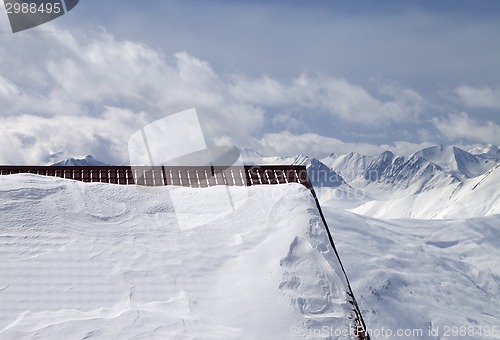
(438,271)
(419,237)
(104,261)
(411,274)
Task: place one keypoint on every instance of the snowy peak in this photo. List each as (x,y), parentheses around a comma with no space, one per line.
(382,166)
(423,175)
(388,173)
(473,197)
(455,160)
(321,175)
(415,174)
(351,166)
(489,154)
(252,157)
(86,161)
(487,150)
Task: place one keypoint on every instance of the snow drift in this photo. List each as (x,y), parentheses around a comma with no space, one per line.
(109,261)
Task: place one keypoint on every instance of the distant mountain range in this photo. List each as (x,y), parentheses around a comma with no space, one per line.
(473,197)
(418,234)
(85,161)
(436,182)
(431,183)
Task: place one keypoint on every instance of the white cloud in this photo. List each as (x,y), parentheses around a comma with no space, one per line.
(337,96)
(261,91)
(352,102)
(75,85)
(314,145)
(461,126)
(29,139)
(89,93)
(479,97)
(83,76)
(9,93)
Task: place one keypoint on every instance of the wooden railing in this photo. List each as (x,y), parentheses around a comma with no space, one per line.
(190,176)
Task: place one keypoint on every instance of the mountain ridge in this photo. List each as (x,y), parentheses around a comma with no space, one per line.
(435,182)
(88,160)
(380,182)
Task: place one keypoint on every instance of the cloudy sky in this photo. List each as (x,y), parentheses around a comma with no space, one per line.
(283,77)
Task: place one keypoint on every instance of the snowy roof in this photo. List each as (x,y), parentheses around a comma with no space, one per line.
(121,262)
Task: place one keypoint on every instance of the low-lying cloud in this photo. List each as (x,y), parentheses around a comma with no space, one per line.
(88,93)
(461,126)
(479,97)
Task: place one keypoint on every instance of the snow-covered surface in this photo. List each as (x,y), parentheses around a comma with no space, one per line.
(455,160)
(419,237)
(387,174)
(474,197)
(409,275)
(420,242)
(487,151)
(93,260)
(322,176)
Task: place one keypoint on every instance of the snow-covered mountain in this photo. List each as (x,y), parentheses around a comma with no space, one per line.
(252,157)
(388,176)
(351,166)
(321,175)
(487,151)
(433,183)
(474,197)
(418,237)
(387,173)
(455,160)
(85,161)
(424,255)
(385,176)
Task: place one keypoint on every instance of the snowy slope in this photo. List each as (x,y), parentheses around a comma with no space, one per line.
(455,160)
(322,176)
(388,175)
(409,275)
(85,161)
(487,151)
(351,167)
(421,249)
(475,197)
(425,278)
(117,262)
